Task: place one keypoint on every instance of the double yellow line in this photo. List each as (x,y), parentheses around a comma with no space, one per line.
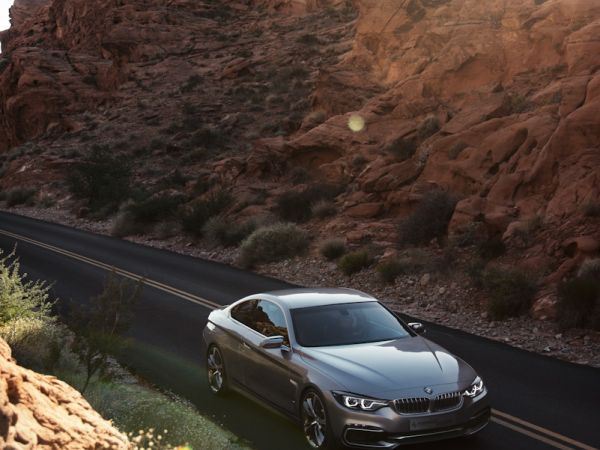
(501,418)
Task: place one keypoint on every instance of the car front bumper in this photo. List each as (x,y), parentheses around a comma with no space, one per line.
(387,429)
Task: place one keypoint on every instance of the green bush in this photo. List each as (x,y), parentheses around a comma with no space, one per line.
(491,248)
(429,220)
(579,303)
(196,215)
(296,206)
(273,243)
(391,269)
(102,178)
(156,208)
(323,209)
(25,317)
(510,291)
(36,343)
(223,231)
(20,298)
(402,149)
(354,262)
(428,127)
(20,196)
(332,248)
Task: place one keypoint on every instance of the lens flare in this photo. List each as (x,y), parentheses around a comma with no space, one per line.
(356,123)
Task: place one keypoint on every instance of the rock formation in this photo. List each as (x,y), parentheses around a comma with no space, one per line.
(496,102)
(42,412)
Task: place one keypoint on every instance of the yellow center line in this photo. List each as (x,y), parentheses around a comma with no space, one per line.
(531,434)
(540,433)
(155,284)
(542,430)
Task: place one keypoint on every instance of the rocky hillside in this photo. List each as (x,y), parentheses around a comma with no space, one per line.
(495,102)
(38,411)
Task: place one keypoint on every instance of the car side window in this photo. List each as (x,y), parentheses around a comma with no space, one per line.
(263,316)
(245,313)
(271,321)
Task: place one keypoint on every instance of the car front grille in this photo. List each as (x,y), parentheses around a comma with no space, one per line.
(450,400)
(416,405)
(421,405)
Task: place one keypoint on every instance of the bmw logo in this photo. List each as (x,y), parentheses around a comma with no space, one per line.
(428,390)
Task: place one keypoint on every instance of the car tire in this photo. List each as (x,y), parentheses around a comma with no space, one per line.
(315,422)
(215,371)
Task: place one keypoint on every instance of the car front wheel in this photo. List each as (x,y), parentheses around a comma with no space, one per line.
(315,423)
(215,369)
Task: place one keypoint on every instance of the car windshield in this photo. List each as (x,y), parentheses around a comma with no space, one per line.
(345,324)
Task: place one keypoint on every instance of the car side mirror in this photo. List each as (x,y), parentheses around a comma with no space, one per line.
(417,327)
(272,342)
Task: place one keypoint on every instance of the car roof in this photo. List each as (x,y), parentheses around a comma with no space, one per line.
(308,297)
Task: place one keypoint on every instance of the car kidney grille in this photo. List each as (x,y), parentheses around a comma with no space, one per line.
(420,405)
(447,401)
(412,405)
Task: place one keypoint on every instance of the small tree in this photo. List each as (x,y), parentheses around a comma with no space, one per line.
(103,178)
(99,325)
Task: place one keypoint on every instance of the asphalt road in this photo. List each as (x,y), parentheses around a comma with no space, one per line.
(538,402)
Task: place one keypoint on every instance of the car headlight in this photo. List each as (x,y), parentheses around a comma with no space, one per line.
(359,403)
(475,389)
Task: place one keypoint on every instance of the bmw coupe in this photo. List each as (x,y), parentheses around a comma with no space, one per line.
(348,369)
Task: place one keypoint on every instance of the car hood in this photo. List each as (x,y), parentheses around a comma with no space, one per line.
(391,369)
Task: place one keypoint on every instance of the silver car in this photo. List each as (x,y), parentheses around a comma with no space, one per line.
(345,367)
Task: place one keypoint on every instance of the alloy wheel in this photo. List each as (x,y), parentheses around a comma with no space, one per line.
(314,420)
(216,370)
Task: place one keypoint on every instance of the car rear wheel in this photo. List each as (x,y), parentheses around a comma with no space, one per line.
(315,423)
(215,369)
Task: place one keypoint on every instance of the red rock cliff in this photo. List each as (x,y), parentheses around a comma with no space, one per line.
(38,411)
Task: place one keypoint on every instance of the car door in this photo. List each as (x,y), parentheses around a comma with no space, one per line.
(268,373)
(242,334)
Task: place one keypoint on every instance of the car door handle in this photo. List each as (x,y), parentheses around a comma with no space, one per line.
(245,346)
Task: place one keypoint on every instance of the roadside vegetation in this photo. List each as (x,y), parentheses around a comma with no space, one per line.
(82,358)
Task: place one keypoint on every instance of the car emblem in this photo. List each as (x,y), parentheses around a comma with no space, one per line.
(428,390)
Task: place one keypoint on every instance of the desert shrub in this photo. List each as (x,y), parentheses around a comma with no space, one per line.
(429,220)
(428,127)
(590,268)
(296,206)
(391,269)
(308,39)
(102,178)
(100,324)
(166,230)
(223,231)
(20,298)
(510,291)
(197,214)
(491,248)
(579,298)
(20,196)
(273,243)
(314,118)
(323,209)
(155,208)
(456,150)
(332,248)
(402,149)
(25,317)
(299,175)
(35,342)
(354,262)
(124,224)
(591,209)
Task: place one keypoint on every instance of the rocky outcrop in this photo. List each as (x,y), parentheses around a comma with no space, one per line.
(42,412)
(495,102)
